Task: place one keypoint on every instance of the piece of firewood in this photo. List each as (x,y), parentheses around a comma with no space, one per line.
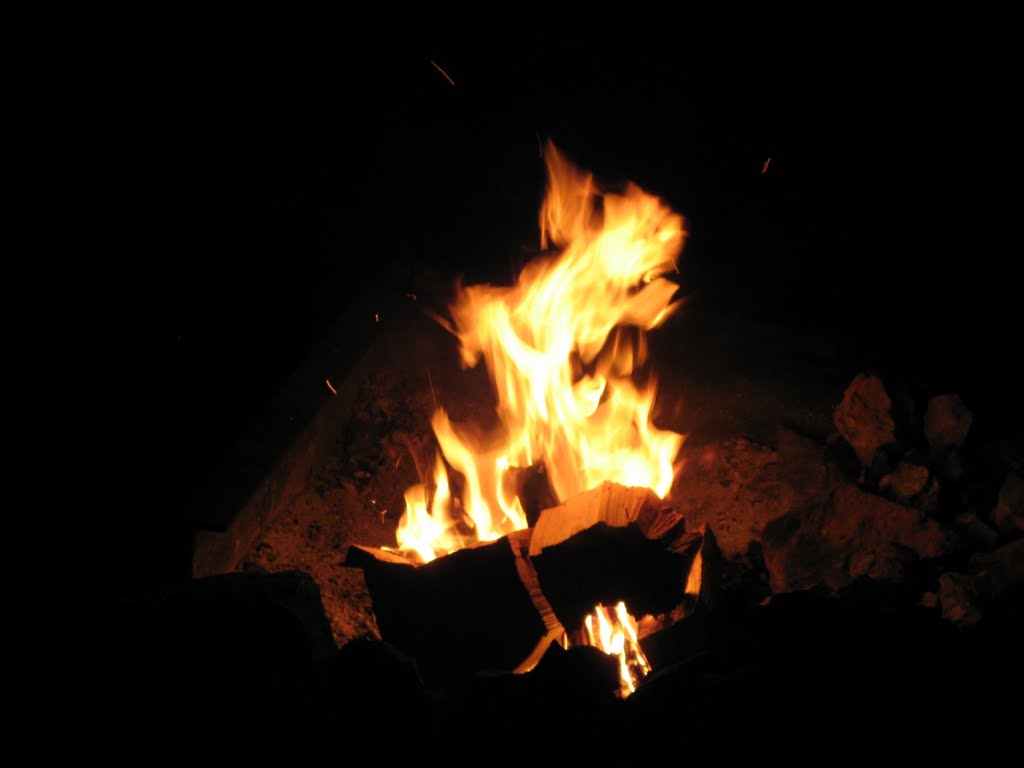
(703,582)
(457,615)
(520,543)
(683,631)
(609,544)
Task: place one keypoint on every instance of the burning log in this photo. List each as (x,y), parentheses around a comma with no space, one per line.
(456,615)
(703,583)
(905,482)
(611,544)
(501,605)
(679,633)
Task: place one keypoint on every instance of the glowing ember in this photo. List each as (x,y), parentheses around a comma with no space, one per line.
(561,347)
(446,76)
(616,635)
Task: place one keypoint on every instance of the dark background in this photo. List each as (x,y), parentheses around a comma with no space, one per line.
(203,193)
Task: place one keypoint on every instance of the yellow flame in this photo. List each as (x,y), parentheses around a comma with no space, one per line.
(616,635)
(693,581)
(561,347)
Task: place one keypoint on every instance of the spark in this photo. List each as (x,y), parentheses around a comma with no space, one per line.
(446,77)
(376,317)
(331,386)
(432,395)
(764,168)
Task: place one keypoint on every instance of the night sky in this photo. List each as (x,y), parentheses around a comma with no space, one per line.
(204,194)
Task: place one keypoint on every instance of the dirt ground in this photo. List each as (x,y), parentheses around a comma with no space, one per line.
(356,498)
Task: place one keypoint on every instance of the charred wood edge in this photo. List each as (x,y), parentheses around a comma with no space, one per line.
(615,505)
(618,506)
(360,557)
(273,463)
(520,543)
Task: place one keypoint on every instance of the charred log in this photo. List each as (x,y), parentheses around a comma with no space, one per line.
(457,615)
(610,544)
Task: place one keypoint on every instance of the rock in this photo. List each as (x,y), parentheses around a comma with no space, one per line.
(905,482)
(960,598)
(870,520)
(864,417)
(1003,568)
(853,534)
(803,458)
(737,486)
(1008,514)
(964,597)
(946,422)
(928,500)
(976,530)
(949,465)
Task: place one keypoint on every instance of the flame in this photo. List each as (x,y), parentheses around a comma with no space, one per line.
(616,635)
(693,581)
(561,347)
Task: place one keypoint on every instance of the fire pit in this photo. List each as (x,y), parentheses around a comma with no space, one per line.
(836,552)
(497,519)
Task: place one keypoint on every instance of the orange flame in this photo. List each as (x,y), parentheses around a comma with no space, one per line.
(561,347)
(616,635)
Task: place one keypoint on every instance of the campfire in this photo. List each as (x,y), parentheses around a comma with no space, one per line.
(428,437)
(566,354)
(521,516)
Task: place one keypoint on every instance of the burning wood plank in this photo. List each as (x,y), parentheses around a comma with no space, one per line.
(500,605)
(607,545)
(456,615)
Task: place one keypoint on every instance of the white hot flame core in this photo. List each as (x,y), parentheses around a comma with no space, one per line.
(616,635)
